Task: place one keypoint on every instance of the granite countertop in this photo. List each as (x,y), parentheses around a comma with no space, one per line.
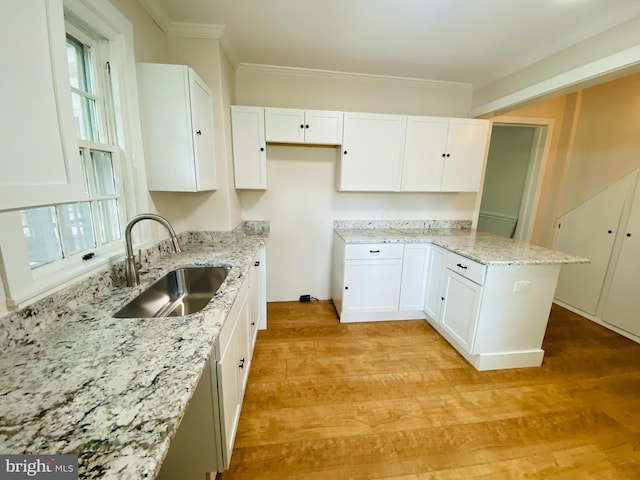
(482,247)
(113,390)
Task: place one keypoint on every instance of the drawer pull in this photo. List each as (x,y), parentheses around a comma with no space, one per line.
(464,267)
(374,251)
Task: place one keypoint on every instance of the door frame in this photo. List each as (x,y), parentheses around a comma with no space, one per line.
(535,173)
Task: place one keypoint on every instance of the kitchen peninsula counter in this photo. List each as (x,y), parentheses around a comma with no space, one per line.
(112,390)
(481,247)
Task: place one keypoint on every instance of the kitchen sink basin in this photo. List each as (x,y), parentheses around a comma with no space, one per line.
(180,292)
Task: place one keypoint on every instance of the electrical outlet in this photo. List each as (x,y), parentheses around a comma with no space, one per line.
(521,287)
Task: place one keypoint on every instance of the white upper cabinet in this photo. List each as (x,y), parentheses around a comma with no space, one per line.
(176,111)
(289,125)
(40,162)
(249,147)
(371,157)
(444,154)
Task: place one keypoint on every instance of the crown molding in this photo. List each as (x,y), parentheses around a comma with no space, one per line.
(311,72)
(157,13)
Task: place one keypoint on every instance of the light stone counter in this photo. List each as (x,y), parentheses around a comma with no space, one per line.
(479,246)
(111,390)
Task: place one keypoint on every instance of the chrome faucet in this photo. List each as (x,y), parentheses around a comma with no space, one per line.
(130,267)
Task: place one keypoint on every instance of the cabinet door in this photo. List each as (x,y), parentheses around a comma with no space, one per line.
(623,302)
(372,147)
(229,397)
(202,133)
(249,147)
(323,127)
(465,155)
(243,351)
(589,231)
(414,277)
(460,308)
(372,285)
(284,125)
(435,282)
(424,150)
(254,302)
(40,163)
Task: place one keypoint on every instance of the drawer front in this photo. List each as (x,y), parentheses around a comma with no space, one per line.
(373,250)
(470,269)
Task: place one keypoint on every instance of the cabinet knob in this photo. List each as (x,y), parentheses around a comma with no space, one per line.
(628,234)
(345,152)
(306,126)
(301,126)
(448,155)
(441,298)
(241,363)
(262,149)
(444,155)
(346,288)
(257,264)
(253,324)
(199,132)
(609,231)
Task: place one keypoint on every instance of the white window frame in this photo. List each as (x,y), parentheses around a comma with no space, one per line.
(23,285)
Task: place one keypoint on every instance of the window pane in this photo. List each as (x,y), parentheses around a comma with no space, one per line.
(85,116)
(41,234)
(79,59)
(77,227)
(103,175)
(110,221)
(84,172)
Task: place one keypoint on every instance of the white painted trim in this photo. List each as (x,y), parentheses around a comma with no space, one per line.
(157,13)
(311,72)
(572,78)
(535,175)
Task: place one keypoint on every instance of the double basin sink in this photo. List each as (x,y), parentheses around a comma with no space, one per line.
(182,291)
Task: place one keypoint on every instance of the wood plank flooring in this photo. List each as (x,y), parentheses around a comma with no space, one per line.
(393,400)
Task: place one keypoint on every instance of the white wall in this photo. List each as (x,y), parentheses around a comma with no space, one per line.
(302,202)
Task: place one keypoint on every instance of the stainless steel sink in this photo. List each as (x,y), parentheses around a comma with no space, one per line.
(180,292)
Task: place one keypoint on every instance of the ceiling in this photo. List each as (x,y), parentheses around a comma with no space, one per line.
(470,41)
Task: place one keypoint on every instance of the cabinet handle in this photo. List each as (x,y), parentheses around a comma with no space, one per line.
(257,264)
(199,132)
(374,251)
(464,267)
(241,363)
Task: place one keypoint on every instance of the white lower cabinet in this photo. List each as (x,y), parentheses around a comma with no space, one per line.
(460,308)
(495,316)
(204,441)
(414,276)
(436,269)
(378,281)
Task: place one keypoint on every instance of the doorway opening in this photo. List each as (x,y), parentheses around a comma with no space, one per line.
(514,173)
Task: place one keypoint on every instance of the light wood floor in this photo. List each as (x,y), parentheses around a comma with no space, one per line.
(393,400)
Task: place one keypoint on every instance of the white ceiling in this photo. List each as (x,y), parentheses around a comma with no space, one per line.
(471,41)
